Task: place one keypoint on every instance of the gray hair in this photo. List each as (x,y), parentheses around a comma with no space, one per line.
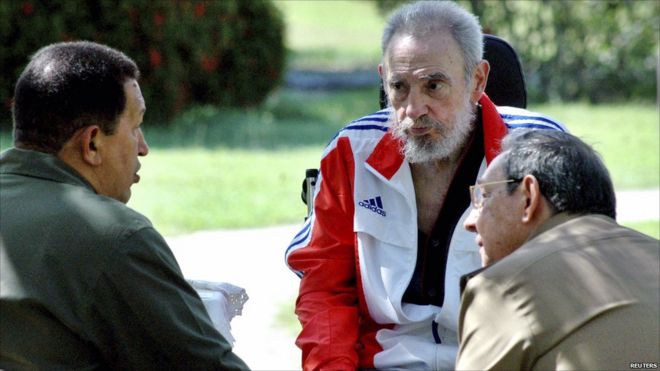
(424,18)
(571,174)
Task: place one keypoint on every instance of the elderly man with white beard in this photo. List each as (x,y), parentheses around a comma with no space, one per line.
(381,255)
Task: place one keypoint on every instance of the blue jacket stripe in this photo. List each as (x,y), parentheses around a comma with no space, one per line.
(372,118)
(533,126)
(366,127)
(376,116)
(359,127)
(299,240)
(300,237)
(379,116)
(516,118)
(303,230)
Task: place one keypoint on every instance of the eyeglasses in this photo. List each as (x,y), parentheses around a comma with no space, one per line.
(477,191)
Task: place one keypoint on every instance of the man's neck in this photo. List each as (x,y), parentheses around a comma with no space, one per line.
(70,155)
(432,180)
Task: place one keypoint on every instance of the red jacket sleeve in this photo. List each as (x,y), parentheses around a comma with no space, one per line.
(327,305)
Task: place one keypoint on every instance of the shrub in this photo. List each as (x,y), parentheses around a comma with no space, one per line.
(598,51)
(225,53)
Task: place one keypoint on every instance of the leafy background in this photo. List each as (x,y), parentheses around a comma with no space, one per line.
(213,166)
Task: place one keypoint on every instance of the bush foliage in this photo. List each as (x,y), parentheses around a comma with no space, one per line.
(225,53)
(593,50)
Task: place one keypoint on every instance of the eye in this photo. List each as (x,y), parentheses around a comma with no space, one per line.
(484,192)
(398,90)
(396,85)
(436,87)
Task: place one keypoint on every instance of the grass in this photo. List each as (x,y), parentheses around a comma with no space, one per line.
(288,119)
(649,227)
(217,168)
(332,35)
(626,135)
(286,319)
(232,169)
(184,190)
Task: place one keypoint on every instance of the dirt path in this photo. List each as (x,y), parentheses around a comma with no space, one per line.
(252,259)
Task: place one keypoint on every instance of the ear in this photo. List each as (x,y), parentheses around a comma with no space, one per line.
(534,200)
(479,79)
(381,70)
(90,138)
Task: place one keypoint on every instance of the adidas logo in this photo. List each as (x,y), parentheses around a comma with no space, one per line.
(374,204)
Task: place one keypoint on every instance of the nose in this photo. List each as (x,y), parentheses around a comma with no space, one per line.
(143,147)
(470,223)
(416,106)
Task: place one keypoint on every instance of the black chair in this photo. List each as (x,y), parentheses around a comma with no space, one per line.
(505,87)
(506,82)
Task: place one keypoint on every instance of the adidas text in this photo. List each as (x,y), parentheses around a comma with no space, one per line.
(374,204)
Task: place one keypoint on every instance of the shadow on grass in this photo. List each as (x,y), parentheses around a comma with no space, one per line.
(288,119)
(251,130)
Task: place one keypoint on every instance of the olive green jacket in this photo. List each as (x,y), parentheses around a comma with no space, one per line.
(583,294)
(87,283)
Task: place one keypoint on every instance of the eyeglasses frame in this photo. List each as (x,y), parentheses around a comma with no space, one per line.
(481,185)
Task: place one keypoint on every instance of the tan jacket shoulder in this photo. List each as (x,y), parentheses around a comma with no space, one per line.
(581,295)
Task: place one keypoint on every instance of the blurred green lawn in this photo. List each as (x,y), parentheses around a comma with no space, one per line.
(626,135)
(332,35)
(217,168)
(236,169)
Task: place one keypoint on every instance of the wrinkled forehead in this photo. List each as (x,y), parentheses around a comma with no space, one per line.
(430,48)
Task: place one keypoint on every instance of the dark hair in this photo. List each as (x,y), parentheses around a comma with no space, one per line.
(571,174)
(65,87)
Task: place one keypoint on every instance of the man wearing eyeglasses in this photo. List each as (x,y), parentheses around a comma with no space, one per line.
(381,254)
(564,286)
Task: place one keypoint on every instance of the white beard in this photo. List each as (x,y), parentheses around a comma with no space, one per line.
(425,148)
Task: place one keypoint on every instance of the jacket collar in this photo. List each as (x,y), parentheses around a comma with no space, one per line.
(468,276)
(40,165)
(549,224)
(494,128)
(387,156)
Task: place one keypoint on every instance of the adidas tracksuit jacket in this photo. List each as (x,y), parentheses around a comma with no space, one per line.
(357,252)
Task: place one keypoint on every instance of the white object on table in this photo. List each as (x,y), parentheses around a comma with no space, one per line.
(223,301)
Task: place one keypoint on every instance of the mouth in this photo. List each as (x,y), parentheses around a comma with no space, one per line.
(419,131)
(136,176)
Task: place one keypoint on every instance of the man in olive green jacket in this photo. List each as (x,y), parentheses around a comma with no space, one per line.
(85,281)
(565,286)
